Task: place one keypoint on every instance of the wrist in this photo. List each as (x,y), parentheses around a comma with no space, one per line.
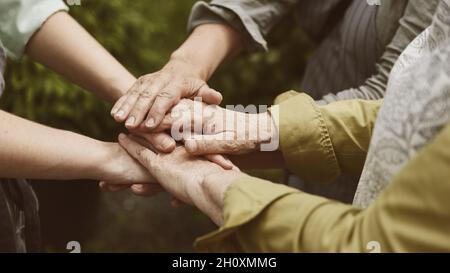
(267,130)
(185,62)
(216,185)
(106,162)
(207,47)
(119,86)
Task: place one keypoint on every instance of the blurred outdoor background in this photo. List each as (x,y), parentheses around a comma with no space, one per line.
(141,34)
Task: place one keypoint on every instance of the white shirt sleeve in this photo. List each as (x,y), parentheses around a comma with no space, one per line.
(20,19)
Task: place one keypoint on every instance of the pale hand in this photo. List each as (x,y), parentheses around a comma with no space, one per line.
(190,179)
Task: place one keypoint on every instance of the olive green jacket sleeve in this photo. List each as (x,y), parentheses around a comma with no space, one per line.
(411,215)
(319,143)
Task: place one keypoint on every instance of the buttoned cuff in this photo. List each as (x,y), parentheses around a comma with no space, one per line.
(304,138)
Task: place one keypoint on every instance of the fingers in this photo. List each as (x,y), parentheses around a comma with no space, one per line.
(164,101)
(171,95)
(189,117)
(181,120)
(221,161)
(140,109)
(117,105)
(165,124)
(147,190)
(160,141)
(143,155)
(135,104)
(127,103)
(154,96)
(209,95)
(146,99)
(107,187)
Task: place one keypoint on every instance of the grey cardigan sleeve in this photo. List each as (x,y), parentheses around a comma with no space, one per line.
(252,18)
(417,17)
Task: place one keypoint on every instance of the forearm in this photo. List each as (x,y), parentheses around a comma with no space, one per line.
(207,47)
(30,150)
(64,46)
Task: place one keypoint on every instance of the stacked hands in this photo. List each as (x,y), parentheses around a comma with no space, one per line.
(165,110)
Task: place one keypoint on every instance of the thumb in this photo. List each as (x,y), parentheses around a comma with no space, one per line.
(137,151)
(209,95)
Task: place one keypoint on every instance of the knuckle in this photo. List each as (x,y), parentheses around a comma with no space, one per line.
(146,94)
(166,95)
(134,92)
(144,154)
(148,162)
(126,106)
(140,151)
(230,146)
(141,80)
(145,80)
(139,108)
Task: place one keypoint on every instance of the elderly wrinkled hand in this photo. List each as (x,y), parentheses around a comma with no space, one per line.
(190,179)
(153,95)
(210,129)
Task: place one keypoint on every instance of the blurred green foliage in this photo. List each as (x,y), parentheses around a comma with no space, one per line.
(141,34)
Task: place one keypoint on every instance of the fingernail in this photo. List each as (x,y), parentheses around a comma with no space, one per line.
(138,187)
(130,121)
(120,114)
(150,123)
(121,136)
(191,145)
